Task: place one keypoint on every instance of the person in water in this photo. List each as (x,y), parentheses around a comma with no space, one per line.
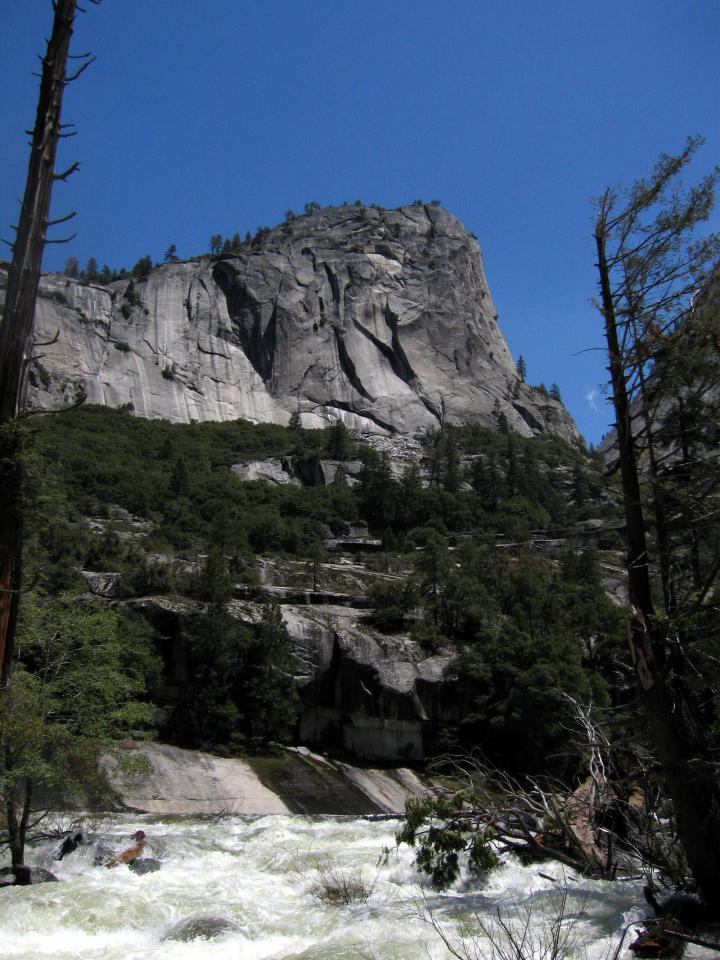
(132,853)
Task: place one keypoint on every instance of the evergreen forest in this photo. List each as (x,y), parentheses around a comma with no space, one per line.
(500,548)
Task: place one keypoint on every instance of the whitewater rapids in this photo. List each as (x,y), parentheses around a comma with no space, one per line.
(263,874)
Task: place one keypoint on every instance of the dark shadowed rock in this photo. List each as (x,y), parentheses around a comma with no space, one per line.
(145,865)
(22,876)
(71,842)
(201,928)
(374,697)
(686,909)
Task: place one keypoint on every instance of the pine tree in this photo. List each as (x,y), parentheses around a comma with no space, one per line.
(651,266)
(339,444)
(72,267)
(451,472)
(271,694)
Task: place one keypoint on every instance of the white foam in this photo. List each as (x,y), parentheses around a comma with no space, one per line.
(261,873)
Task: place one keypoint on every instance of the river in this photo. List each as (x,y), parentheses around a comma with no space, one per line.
(263,874)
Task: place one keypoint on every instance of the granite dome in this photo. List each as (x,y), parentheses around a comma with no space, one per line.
(382,318)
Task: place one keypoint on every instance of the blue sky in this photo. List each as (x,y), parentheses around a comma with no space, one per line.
(216,116)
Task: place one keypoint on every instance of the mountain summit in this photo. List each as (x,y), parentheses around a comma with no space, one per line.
(382,318)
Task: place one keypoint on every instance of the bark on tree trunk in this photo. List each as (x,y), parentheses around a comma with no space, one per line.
(18,816)
(11,525)
(678,735)
(17,325)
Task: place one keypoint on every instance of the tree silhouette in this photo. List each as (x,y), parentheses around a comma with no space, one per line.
(651,266)
(19,313)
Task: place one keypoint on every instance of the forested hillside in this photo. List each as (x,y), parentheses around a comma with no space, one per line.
(481,547)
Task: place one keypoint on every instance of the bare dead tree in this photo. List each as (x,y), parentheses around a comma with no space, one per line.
(531,930)
(17,323)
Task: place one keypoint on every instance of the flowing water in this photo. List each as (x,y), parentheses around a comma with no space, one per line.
(264,875)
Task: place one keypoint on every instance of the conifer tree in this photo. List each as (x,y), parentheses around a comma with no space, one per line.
(652,271)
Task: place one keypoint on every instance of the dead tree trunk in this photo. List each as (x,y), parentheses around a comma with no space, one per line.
(17,324)
(10,540)
(674,715)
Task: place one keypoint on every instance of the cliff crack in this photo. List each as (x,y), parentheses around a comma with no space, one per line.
(211,353)
(349,367)
(246,316)
(334,284)
(394,353)
(369,415)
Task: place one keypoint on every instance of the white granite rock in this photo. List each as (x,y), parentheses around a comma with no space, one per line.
(382,318)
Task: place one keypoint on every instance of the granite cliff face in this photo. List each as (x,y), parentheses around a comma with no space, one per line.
(366,695)
(382,318)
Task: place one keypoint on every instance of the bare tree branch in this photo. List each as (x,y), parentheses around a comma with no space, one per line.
(54,223)
(82,69)
(70,170)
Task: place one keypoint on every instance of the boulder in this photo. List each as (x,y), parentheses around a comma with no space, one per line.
(22,876)
(686,909)
(101,584)
(71,842)
(201,928)
(145,865)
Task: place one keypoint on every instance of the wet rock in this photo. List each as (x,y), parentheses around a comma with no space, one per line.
(201,928)
(145,865)
(22,876)
(656,942)
(675,917)
(71,842)
(103,853)
(686,909)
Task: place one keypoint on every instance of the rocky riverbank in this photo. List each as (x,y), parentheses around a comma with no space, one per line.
(173,781)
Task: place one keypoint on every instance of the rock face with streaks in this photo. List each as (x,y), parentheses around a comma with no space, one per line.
(371,696)
(382,318)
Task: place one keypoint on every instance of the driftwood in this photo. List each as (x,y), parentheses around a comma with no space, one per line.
(586,829)
(536,820)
